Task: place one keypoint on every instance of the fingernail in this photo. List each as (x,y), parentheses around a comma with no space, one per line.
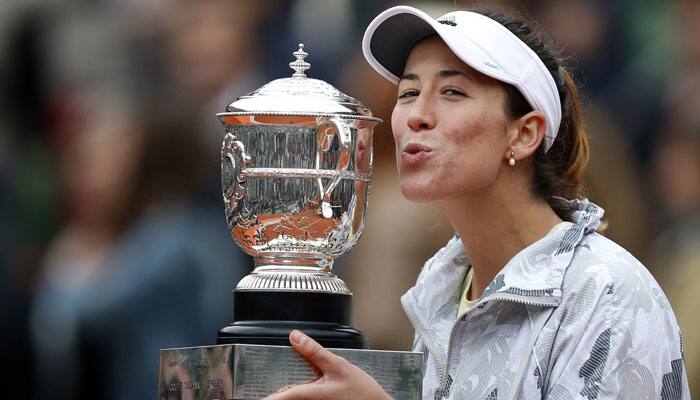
(298,337)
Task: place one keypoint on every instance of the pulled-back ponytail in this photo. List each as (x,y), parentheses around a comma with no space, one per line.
(578,152)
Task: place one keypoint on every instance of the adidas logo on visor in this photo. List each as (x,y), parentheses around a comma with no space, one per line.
(448,21)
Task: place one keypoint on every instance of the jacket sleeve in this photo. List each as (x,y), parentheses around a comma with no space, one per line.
(618,341)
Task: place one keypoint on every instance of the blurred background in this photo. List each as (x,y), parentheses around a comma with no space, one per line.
(113,242)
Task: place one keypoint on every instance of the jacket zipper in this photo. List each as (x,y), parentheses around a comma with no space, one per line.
(443,361)
(439,357)
(517,298)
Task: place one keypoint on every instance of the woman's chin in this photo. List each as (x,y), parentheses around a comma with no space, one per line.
(418,193)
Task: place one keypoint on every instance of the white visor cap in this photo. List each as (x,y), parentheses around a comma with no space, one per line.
(479,41)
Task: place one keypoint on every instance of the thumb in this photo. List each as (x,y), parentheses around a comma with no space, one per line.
(317,355)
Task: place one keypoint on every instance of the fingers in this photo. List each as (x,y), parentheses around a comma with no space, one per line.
(315,353)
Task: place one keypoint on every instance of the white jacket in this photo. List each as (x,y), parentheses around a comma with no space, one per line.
(572,316)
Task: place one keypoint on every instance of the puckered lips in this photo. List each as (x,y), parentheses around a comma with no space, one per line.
(414,153)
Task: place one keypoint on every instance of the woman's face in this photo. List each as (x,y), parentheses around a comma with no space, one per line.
(449,125)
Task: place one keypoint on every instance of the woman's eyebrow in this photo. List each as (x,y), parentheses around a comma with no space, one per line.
(410,77)
(443,74)
(453,72)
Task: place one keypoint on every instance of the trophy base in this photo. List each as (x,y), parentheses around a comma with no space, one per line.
(248,372)
(276,333)
(267,317)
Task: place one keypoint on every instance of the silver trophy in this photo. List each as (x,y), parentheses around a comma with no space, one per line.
(296,165)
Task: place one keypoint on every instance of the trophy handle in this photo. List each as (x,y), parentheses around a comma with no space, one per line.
(327,129)
(233,161)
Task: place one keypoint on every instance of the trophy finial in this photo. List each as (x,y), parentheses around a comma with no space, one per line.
(299,65)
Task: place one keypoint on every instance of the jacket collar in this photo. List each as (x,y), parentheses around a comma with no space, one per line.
(533,276)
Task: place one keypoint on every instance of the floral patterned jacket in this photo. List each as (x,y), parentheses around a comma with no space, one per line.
(572,316)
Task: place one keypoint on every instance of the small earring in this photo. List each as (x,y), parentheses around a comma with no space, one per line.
(511,161)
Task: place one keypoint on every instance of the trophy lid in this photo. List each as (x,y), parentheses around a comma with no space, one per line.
(299,95)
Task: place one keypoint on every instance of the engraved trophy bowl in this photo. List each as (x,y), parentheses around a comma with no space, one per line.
(296,164)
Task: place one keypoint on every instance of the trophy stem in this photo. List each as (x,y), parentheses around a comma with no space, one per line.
(293,262)
(293,273)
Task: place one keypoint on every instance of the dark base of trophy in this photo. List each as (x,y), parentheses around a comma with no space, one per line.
(267,317)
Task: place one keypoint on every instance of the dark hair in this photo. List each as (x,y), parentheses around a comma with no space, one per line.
(560,171)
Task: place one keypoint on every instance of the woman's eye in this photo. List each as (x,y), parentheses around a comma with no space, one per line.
(408,93)
(453,92)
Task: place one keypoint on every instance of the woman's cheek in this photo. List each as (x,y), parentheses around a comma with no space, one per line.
(396,118)
(396,132)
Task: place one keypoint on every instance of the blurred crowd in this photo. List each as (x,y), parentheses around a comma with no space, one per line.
(113,242)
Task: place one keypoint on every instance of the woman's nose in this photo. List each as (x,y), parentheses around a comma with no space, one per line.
(421,116)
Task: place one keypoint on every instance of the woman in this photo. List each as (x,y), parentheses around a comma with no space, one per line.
(527,300)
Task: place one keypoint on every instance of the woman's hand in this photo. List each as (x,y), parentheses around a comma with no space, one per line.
(338,379)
